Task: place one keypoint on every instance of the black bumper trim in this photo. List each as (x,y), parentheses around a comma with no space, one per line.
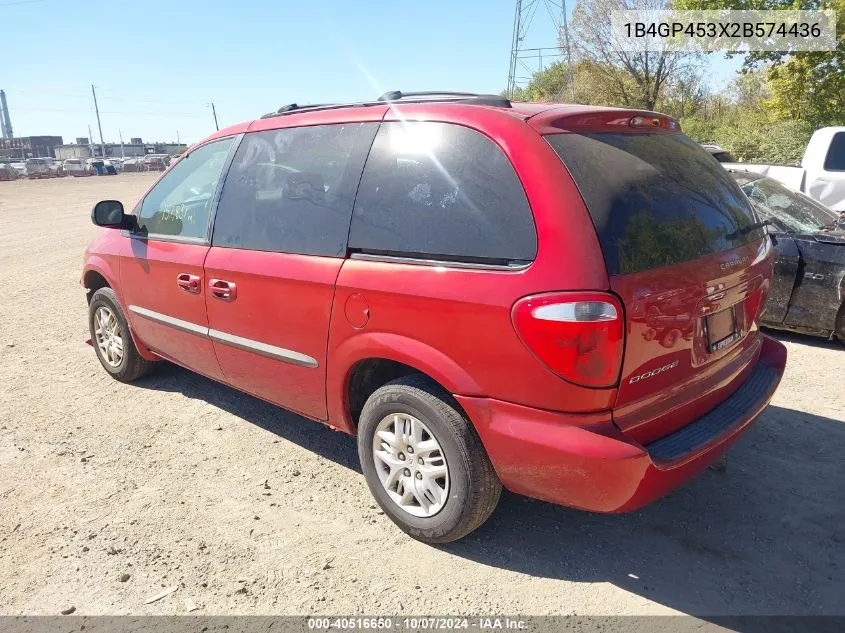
(732,412)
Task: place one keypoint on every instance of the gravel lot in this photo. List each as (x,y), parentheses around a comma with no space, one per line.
(111,494)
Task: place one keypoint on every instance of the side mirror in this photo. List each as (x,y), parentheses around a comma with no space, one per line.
(108,213)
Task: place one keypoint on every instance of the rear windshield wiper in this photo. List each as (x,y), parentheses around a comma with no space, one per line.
(747,229)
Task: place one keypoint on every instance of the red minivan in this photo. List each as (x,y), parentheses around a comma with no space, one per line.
(557,299)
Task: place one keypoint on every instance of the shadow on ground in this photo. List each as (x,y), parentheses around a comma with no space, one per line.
(766,535)
(310,435)
(806,339)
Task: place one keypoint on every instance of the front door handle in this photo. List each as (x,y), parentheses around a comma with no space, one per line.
(222,289)
(189,283)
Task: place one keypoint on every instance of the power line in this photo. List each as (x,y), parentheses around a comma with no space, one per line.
(524,14)
(135,100)
(183,115)
(11,4)
(105,96)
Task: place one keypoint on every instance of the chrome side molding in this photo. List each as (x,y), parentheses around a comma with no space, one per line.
(249,345)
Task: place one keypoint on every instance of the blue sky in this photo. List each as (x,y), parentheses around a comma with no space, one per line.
(157,65)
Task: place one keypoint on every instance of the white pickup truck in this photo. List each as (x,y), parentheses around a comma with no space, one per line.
(821,174)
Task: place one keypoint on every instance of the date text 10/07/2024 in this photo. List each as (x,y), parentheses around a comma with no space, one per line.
(485,623)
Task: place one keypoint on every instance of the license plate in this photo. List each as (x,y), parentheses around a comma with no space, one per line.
(721,329)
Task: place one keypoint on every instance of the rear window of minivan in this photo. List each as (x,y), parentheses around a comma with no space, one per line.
(656,199)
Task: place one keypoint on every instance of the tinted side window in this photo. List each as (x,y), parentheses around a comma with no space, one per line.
(180,203)
(442,191)
(835,159)
(291,190)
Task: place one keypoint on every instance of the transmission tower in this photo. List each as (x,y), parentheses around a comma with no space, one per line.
(525,61)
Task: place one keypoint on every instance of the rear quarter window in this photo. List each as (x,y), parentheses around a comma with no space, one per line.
(441,191)
(655,199)
(835,159)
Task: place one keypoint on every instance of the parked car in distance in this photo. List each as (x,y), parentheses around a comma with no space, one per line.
(156,162)
(466,284)
(57,168)
(808,286)
(719,153)
(77,167)
(821,174)
(102,167)
(7,172)
(38,168)
(133,165)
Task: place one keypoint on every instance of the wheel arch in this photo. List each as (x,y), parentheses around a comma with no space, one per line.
(99,274)
(364,363)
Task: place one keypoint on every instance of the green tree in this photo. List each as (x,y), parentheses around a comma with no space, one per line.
(551,84)
(684,95)
(803,85)
(636,78)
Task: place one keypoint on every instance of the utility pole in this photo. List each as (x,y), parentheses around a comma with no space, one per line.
(99,126)
(90,142)
(516,39)
(522,52)
(214,112)
(568,51)
(122,155)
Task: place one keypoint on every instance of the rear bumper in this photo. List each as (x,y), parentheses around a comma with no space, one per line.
(584,461)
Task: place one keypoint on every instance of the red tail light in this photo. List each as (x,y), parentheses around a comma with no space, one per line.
(578,335)
(754,304)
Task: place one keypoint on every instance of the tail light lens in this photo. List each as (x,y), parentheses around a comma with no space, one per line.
(754,304)
(579,336)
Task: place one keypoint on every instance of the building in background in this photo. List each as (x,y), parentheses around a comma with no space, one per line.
(25,147)
(83,149)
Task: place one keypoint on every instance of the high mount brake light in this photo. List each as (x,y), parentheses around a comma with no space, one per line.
(665,123)
(578,335)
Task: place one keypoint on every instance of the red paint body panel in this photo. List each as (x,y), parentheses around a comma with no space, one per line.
(103,257)
(148,274)
(465,315)
(547,438)
(584,461)
(576,118)
(665,313)
(282,300)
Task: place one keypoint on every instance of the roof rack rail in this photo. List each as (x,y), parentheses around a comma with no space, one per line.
(471,97)
(396,95)
(291,107)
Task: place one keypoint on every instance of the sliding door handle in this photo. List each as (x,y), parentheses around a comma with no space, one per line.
(222,289)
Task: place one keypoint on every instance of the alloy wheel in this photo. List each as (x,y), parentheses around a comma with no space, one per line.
(411,465)
(109,336)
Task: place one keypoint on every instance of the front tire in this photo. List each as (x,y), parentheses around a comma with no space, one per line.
(111,338)
(424,462)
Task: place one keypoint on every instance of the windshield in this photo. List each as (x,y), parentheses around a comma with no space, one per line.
(786,209)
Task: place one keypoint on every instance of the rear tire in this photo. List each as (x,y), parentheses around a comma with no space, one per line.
(448,480)
(111,338)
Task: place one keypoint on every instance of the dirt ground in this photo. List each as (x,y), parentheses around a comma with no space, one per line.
(111,493)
